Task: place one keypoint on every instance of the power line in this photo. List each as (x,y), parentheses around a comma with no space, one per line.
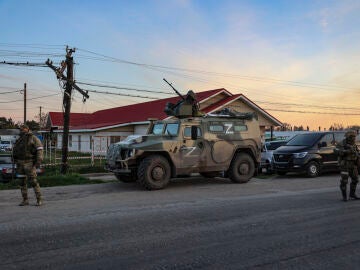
(124,88)
(307,105)
(30,98)
(24,64)
(10,92)
(311,112)
(212,73)
(119,94)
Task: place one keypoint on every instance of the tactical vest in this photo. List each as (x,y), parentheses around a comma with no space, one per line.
(25,148)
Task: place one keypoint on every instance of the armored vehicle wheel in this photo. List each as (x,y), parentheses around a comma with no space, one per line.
(125,178)
(242,168)
(210,174)
(154,172)
(312,169)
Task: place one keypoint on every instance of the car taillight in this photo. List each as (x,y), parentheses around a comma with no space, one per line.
(6,170)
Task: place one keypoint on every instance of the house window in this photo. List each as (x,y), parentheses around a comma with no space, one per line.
(115,139)
(91,138)
(70,140)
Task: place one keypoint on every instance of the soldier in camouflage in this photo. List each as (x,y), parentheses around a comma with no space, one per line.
(28,155)
(348,156)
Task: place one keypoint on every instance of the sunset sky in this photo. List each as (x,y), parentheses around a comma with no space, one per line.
(299,60)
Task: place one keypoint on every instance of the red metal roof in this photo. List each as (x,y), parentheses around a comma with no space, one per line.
(126,114)
(221,103)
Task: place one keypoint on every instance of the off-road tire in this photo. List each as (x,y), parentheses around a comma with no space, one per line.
(154,172)
(125,178)
(210,174)
(312,169)
(242,168)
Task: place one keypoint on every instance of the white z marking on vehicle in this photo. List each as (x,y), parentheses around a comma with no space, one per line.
(190,149)
(228,130)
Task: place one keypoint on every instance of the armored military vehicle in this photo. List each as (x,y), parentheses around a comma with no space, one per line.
(224,144)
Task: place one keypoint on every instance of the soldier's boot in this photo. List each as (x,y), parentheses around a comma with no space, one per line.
(352,194)
(37,191)
(343,191)
(25,200)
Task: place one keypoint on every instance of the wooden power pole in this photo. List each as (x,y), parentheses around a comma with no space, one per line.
(24,103)
(69,79)
(67,105)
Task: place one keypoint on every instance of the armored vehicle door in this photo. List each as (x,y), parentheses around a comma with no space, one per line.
(191,151)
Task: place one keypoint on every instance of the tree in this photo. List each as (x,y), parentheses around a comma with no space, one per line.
(7,123)
(336,126)
(286,127)
(33,125)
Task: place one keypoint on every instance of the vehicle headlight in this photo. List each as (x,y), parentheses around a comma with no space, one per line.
(300,155)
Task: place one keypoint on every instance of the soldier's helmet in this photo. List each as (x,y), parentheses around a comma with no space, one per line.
(350,133)
(191,96)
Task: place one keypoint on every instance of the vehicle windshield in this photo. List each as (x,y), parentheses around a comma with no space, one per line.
(304,139)
(165,128)
(157,129)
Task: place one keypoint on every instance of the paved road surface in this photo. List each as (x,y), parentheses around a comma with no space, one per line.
(279,223)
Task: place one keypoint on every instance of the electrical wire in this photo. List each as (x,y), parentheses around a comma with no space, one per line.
(1,93)
(123,88)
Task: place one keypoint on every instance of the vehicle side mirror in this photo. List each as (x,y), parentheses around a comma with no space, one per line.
(194,133)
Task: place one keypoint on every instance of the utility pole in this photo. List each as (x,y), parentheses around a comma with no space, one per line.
(40,123)
(70,84)
(24,103)
(67,104)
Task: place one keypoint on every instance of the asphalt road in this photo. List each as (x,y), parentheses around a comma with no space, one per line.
(278,223)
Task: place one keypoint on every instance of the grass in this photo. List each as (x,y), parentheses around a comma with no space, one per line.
(55,180)
(52,176)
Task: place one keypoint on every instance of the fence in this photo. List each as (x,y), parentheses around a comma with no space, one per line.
(89,153)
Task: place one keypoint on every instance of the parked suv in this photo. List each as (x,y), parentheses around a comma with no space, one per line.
(311,153)
(267,155)
(210,145)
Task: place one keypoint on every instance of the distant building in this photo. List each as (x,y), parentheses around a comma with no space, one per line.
(93,132)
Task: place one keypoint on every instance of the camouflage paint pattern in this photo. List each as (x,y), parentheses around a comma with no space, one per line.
(220,139)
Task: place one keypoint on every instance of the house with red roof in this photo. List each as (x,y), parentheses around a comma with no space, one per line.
(95,131)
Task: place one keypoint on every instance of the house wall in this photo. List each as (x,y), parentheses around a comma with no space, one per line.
(98,142)
(141,129)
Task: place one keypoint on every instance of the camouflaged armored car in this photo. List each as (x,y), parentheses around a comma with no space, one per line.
(226,145)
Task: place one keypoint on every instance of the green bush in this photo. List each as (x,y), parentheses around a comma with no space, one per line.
(54,180)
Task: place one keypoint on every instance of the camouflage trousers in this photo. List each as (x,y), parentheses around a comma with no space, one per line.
(346,171)
(27,172)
